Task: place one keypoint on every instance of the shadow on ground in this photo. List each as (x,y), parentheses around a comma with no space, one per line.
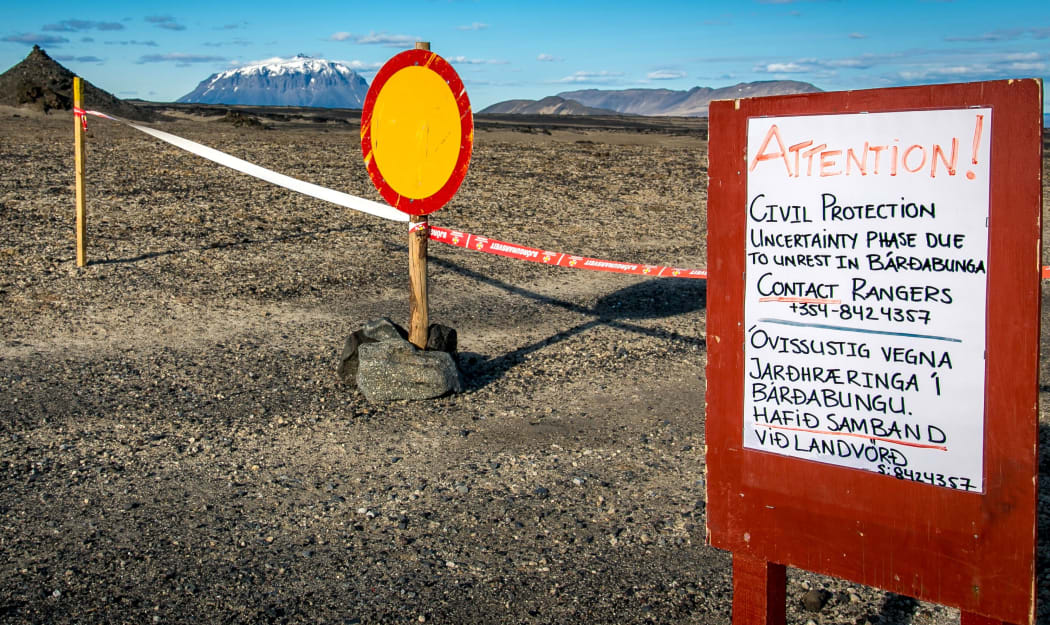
(245,242)
(653,299)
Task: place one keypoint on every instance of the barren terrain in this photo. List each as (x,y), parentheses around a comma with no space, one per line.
(175,446)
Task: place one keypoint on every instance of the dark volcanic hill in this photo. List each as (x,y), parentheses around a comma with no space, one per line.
(551,105)
(41,83)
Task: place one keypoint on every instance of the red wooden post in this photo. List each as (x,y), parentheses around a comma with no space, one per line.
(969,618)
(759,591)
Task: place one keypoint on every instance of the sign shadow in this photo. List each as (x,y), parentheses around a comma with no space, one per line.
(652,299)
(242,242)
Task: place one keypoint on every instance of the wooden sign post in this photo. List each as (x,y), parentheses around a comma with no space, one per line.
(873,327)
(78,153)
(418,300)
(417,135)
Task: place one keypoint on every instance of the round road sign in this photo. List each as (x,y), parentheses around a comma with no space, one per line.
(417,132)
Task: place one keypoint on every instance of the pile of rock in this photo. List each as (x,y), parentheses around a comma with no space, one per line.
(241,120)
(40,83)
(384,366)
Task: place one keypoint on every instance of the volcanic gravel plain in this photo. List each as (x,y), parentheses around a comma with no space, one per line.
(175,446)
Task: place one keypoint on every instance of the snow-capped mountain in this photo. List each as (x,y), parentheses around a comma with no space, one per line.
(299,81)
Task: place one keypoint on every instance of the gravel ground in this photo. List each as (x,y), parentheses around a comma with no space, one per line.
(175,446)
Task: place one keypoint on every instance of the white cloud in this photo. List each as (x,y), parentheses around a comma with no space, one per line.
(35,38)
(462,60)
(852,63)
(180,58)
(1027,67)
(376,39)
(826,66)
(965,66)
(220,44)
(602,77)
(1023,56)
(72,26)
(132,42)
(166,22)
(783,68)
(1005,34)
(362,66)
(549,58)
(386,39)
(474,26)
(665,74)
(65,58)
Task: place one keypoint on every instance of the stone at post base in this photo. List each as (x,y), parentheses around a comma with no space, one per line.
(393,370)
(441,339)
(381,329)
(384,366)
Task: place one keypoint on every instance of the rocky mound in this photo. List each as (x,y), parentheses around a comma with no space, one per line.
(551,105)
(39,82)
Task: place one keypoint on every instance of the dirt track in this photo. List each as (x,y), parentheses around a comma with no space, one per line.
(176,447)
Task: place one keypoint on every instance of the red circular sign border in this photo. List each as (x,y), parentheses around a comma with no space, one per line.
(433,202)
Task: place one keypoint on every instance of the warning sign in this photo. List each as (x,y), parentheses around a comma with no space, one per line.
(417,132)
(873,342)
(867,269)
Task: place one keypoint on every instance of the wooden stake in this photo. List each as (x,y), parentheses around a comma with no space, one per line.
(418,303)
(970,618)
(418,313)
(759,591)
(78,134)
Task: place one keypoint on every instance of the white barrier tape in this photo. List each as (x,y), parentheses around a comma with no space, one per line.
(306,188)
(388,212)
(444,235)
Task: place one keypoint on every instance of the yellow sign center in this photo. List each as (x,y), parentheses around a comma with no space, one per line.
(415,132)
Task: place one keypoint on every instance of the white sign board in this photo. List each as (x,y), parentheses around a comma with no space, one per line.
(866,280)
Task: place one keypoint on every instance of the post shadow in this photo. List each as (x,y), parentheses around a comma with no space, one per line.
(656,298)
(897,609)
(244,242)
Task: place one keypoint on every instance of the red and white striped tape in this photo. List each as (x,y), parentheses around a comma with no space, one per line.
(488,245)
(82,115)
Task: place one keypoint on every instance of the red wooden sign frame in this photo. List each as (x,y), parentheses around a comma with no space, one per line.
(972,551)
(437,64)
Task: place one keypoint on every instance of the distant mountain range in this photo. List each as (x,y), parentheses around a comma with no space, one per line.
(551,105)
(300,81)
(655,102)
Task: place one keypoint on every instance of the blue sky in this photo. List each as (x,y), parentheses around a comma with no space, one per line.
(505,50)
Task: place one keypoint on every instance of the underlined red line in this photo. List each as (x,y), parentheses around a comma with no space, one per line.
(799,300)
(866,436)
